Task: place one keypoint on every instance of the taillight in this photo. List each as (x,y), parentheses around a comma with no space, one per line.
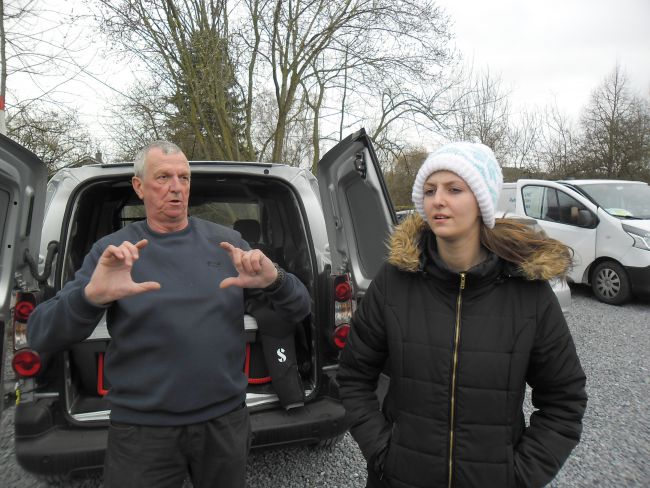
(23,305)
(23,310)
(26,363)
(344,307)
(341,335)
(343,291)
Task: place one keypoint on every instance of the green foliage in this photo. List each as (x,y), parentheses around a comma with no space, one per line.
(207,106)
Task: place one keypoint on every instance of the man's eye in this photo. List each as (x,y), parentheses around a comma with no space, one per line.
(429,192)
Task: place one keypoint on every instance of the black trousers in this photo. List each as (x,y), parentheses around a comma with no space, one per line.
(213,453)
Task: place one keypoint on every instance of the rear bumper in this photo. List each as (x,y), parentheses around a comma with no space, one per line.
(62,451)
(316,421)
(67,451)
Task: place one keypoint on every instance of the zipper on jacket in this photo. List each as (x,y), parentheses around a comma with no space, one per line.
(452,414)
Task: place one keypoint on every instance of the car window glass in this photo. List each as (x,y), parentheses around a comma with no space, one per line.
(552,210)
(534,202)
(569,209)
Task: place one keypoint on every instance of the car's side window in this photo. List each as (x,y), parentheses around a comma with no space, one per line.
(534,201)
(556,206)
(570,210)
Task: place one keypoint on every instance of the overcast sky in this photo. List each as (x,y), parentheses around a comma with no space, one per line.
(562,50)
(545,51)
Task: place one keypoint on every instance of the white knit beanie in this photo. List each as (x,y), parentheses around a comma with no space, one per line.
(475,163)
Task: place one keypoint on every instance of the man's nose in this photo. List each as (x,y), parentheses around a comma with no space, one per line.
(174,183)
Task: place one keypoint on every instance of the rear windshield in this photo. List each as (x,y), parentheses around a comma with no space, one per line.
(266,212)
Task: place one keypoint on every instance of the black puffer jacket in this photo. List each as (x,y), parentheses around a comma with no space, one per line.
(459,352)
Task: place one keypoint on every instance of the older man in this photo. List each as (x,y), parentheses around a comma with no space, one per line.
(174,289)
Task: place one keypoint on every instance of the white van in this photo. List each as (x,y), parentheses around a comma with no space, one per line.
(605,222)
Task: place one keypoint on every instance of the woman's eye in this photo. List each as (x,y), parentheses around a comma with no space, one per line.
(429,192)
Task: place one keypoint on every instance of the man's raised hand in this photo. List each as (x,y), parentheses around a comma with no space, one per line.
(254,268)
(112,279)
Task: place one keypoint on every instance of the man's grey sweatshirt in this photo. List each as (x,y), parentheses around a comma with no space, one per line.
(176,355)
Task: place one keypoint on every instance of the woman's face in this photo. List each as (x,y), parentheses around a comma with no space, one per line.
(450,206)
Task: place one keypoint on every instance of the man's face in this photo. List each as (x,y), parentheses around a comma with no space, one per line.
(165,190)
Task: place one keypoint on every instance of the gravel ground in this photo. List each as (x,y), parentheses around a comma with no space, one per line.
(614,347)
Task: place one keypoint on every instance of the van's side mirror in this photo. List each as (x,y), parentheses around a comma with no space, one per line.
(586,219)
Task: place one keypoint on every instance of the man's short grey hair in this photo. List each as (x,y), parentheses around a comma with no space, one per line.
(165,146)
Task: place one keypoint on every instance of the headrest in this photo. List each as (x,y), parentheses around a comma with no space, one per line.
(249,229)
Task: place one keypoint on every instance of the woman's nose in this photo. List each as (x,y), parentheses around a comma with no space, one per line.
(438,199)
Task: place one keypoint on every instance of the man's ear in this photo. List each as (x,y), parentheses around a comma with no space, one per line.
(137,186)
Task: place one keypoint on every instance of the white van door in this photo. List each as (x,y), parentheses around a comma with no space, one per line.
(565,216)
(23,179)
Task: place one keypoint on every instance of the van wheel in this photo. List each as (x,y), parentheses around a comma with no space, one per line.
(610,283)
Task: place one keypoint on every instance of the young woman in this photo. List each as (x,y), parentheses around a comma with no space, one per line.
(461,318)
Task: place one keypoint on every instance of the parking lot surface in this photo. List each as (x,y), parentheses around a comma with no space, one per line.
(614,348)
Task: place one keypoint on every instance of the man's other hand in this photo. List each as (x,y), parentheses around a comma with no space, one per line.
(254,268)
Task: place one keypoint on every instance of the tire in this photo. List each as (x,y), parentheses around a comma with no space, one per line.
(610,283)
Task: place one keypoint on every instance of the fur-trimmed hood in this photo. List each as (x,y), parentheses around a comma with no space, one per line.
(405,253)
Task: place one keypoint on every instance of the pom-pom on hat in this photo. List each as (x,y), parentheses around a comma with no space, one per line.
(473,162)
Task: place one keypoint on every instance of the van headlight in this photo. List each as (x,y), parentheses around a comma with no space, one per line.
(641,236)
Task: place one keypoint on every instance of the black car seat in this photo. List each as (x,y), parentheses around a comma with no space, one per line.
(251,232)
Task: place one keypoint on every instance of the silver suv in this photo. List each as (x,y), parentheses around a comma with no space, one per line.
(328,231)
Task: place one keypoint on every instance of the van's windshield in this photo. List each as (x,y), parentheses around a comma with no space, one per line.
(622,200)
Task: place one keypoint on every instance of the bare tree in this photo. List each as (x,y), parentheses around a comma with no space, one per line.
(358,51)
(185,45)
(481,113)
(557,146)
(615,142)
(523,136)
(319,59)
(37,41)
(57,137)
(139,118)
(401,175)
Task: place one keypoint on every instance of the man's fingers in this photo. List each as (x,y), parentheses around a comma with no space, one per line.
(252,261)
(127,252)
(141,244)
(227,246)
(149,285)
(228,282)
(113,251)
(235,254)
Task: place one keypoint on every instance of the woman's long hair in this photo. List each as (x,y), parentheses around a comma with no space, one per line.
(538,256)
